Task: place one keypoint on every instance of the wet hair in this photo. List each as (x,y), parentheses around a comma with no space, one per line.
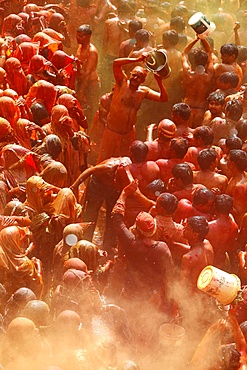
(205,133)
(171,36)
(180,146)
(216,96)
(242,54)
(198,57)
(239,157)
(135,25)
(203,196)
(139,151)
(241,127)
(85,29)
(234,109)
(156,187)
(183,172)
(142,35)
(233,142)
(178,24)
(229,49)
(168,202)
(199,225)
(182,40)
(206,157)
(229,78)
(179,10)
(182,110)
(223,204)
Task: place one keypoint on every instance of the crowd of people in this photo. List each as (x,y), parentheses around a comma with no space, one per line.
(120,184)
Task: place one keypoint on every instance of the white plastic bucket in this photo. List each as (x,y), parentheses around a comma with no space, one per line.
(219,284)
(201,25)
(171,335)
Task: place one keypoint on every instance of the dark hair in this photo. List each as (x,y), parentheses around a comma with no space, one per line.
(142,35)
(156,187)
(180,146)
(233,142)
(135,25)
(183,172)
(223,204)
(203,196)
(198,57)
(182,110)
(178,24)
(199,225)
(239,157)
(205,133)
(229,49)
(139,151)
(216,96)
(171,36)
(85,29)
(234,109)
(168,202)
(241,127)
(229,78)
(206,157)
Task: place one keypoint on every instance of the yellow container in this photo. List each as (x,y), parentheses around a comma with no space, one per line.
(219,284)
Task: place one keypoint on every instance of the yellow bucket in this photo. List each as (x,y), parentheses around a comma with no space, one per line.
(219,284)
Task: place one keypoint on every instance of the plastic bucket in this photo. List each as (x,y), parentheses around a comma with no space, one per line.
(171,335)
(219,284)
(201,25)
(157,63)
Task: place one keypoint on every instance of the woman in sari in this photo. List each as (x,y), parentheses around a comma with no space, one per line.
(75,111)
(24,52)
(12,26)
(74,153)
(28,132)
(44,92)
(15,76)
(56,202)
(18,164)
(17,269)
(9,110)
(65,66)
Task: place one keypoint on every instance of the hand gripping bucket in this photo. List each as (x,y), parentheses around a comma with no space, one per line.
(157,63)
(201,25)
(170,335)
(219,284)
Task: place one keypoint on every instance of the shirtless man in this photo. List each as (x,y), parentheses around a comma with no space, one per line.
(181,113)
(201,253)
(160,147)
(87,84)
(229,53)
(127,45)
(181,184)
(101,188)
(207,160)
(203,138)
(197,79)
(201,205)
(237,186)
(223,231)
(126,101)
(178,147)
(216,101)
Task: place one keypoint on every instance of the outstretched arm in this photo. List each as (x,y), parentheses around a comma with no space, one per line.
(185,52)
